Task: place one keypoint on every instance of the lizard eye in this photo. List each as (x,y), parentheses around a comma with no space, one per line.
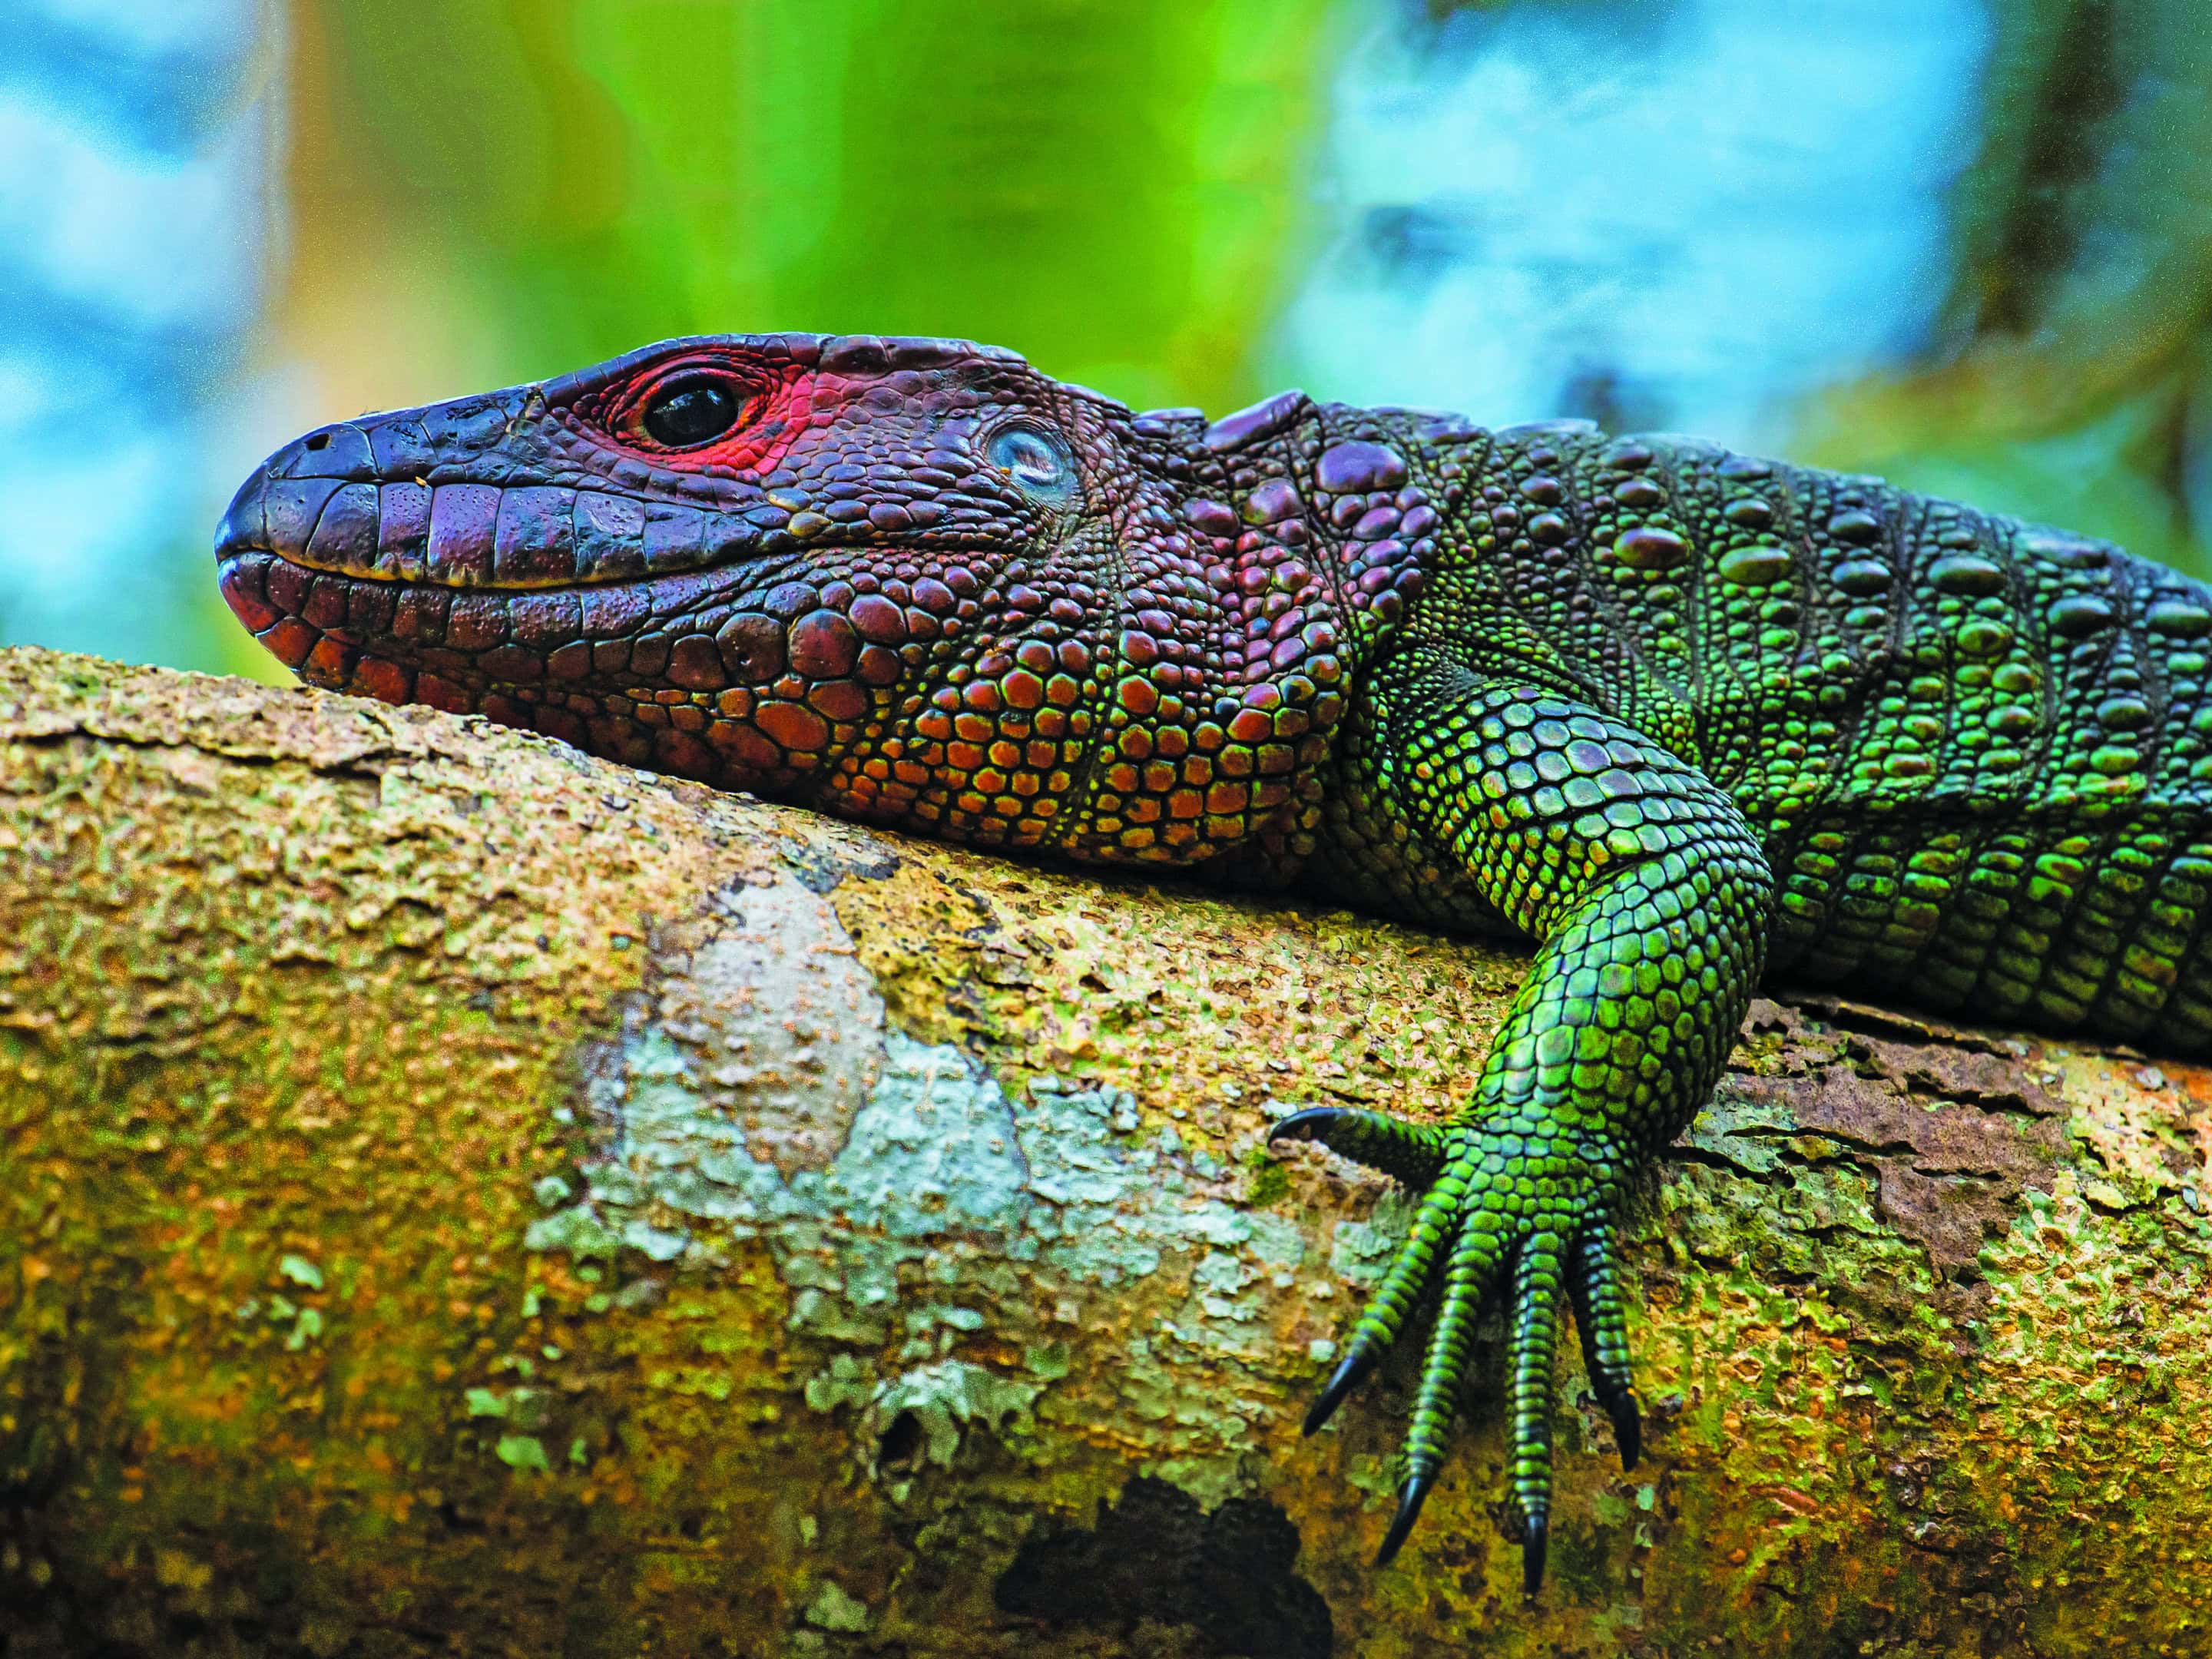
(690,412)
(1037,462)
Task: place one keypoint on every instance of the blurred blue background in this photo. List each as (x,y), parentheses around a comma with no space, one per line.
(1963,242)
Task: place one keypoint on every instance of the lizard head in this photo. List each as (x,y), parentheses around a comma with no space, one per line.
(908,579)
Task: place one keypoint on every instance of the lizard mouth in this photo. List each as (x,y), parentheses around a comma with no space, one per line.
(331,624)
(753,676)
(517,538)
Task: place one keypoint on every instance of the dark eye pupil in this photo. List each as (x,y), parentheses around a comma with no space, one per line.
(690,414)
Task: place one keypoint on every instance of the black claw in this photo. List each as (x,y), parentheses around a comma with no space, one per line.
(1628,1431)
(1297,1126)
(1532,1555)
(1348,1376)
(1410,1499)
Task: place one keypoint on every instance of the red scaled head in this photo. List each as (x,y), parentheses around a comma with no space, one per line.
(785,562)
(906,580)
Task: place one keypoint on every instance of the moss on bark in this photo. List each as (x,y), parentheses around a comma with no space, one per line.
(463,1196)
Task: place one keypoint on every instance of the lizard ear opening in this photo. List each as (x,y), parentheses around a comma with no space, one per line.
(1037,461)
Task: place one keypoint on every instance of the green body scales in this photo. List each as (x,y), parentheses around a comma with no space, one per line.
(1977,753)
(1680,716)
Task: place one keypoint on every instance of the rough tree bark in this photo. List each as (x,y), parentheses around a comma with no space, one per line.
(463,1196)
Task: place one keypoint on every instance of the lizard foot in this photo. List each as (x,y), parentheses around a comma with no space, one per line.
(1512,1199)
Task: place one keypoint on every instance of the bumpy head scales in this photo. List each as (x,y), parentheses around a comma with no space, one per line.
(909,580)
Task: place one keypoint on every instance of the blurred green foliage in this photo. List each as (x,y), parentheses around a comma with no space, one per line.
(1109,185)
(485,191)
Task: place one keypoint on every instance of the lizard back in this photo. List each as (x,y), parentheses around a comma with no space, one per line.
(1976,751)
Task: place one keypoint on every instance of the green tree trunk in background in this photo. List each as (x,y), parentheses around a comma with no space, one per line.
(461,1196)
(2073,381)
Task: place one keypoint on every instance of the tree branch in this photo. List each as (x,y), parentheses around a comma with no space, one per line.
(466,1196)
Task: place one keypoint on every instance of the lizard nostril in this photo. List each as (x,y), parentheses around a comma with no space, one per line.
(320,441)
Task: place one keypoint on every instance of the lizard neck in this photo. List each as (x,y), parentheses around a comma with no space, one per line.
(1259,572)
(1325,510)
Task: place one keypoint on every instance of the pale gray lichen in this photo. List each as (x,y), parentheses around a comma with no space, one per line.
(937,1150)
(940,1181)
(945,1399)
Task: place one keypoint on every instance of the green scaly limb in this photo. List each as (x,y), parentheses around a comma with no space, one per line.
(1649,895)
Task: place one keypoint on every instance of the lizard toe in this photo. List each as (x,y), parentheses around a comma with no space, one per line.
(1348,1375)
(1410,1497)
(1601,1323)
(1531,1342)
(1413,1154)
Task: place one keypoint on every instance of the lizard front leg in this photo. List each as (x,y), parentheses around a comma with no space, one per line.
(1650,897)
